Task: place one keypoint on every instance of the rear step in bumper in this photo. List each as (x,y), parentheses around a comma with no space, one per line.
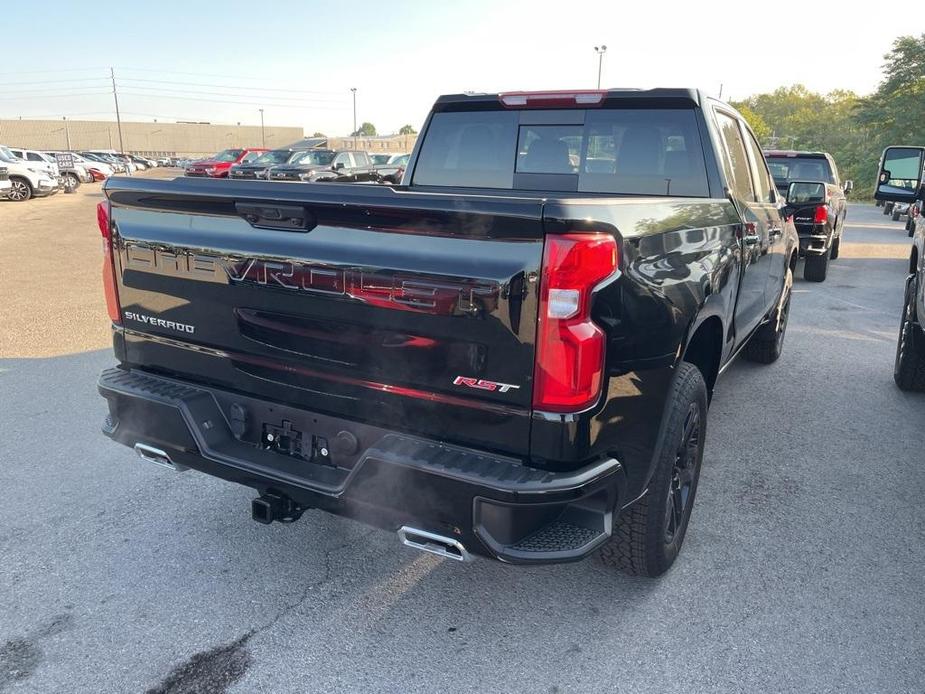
(470,501)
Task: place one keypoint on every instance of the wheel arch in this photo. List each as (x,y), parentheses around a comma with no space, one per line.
(25,179)
(704,348)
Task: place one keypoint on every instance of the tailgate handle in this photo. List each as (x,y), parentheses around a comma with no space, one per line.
(281,217)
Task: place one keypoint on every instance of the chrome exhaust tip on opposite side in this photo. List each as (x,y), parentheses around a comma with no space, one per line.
(445,547)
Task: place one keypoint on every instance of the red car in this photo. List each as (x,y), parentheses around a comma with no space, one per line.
(218,166)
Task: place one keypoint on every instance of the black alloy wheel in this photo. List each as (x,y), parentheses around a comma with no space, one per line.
(687,460)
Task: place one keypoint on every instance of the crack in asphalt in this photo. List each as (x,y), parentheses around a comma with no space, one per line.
(214,670)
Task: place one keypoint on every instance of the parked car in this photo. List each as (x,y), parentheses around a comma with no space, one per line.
(99,169)
(820,226)
(326,165)
(900,210)
(218,165)
(5,185)
(26,181)
(260,166)
(392,170)
(900,180)
(915,211)
(117,165)
(37,160)
(128,165)
(510,356)
(74,175)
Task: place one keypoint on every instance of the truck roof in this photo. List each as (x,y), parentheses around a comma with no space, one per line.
(793,153)
(591,97)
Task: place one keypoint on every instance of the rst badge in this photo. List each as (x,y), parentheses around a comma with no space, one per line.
(482,384)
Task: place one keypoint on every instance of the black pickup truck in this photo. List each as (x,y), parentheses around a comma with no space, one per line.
(820,227)
(510,355)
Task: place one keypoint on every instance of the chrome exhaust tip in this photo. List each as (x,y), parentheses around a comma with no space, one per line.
(150,454)
(445,547)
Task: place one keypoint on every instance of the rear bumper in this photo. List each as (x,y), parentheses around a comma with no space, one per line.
(815,239)
(493,505)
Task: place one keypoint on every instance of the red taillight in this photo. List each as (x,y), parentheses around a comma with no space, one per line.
(569,346)
(583,98)
(109,266)
(821,215)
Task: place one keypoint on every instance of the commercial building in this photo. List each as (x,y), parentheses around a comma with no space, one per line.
(180,139)
(175,139)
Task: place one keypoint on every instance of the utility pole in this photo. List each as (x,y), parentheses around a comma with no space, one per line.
(600,50)
(263,135)
(354,90)
(115,97)
(67,134)
(720,91)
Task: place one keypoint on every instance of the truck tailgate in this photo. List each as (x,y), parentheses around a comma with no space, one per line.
(411,310)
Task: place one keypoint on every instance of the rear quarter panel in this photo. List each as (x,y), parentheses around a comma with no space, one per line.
(679,267)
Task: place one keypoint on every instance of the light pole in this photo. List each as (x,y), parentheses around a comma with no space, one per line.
(354,91)
(263,136)
(600,50)
(115,97)
(67,134)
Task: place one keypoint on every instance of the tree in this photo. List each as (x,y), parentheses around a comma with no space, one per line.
(762,130)
(801,119)
(365,130)
(407,130)
(319,135)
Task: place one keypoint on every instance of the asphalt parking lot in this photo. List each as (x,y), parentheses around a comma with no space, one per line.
(802,570)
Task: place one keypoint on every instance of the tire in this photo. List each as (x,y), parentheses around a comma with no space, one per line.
(836,247)
(816,267)
(21,190)
(72,181)
(887,207)
(766,345)
(649,534)
(909,369)
(910,226)
(896,216)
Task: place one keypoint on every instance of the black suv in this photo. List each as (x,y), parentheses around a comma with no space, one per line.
(344,166)
(820,227)
(260,167)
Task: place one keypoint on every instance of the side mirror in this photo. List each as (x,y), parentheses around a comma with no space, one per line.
(339,166)
(805,193)
(900,174)
(849,186)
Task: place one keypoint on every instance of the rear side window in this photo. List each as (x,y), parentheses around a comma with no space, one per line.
(621,151)
(734,160)
(759,170)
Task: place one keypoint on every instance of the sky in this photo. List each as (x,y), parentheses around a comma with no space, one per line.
(206,61)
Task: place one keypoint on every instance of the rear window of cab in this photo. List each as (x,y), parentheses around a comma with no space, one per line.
(620,151)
